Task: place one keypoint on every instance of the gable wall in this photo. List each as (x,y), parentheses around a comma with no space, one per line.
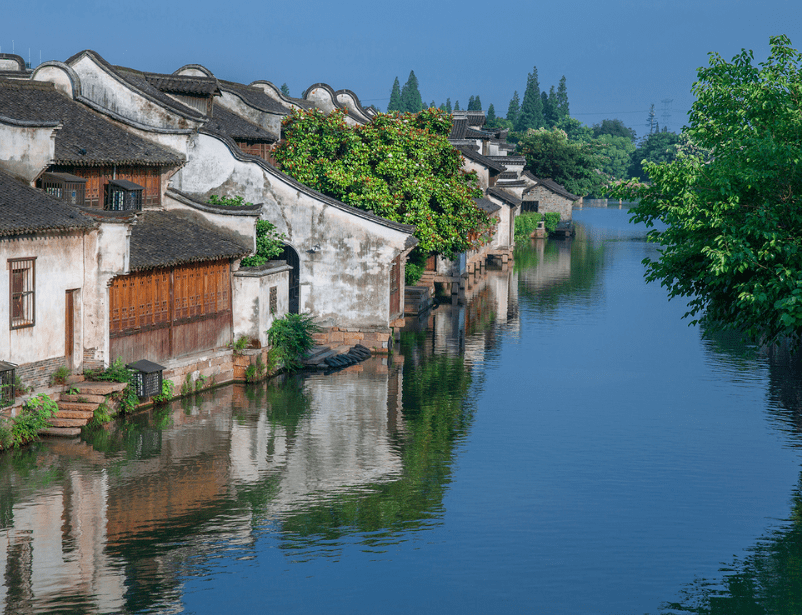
(548,201)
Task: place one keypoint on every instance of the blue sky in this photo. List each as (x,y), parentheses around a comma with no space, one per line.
(618,56)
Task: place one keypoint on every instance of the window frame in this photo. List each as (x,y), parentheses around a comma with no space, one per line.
(22,301)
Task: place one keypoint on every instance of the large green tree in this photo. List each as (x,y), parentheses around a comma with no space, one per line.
(531,115)
(411,100)
(514,108)
(615,128)
(731,201)
(395,97)
(400,167)
(561,100)
(550,154)
(656,148)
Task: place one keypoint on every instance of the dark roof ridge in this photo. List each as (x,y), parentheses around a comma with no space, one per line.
(361,213)
(199,67)
(238,89)
(299,102)
(483,160)
(226,210)
(505,196)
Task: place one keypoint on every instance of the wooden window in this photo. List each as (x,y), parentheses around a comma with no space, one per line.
(530,206)
(23,284)
(122,195)
(63,186)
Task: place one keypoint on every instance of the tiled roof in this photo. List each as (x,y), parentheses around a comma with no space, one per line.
(505,196)
(25,210)
(238,128)
(458,128)
(556,188)
(163,239)
(472,133)
(183,84)
(509,160)
(487,206)
(255,97)
(483,160)
(140,81)
(87,139)
(476,118)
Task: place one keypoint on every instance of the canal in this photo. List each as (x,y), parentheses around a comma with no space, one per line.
(564,443)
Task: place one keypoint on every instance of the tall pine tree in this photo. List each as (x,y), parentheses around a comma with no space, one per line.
(448,105)
(285,89)
(531,115)
(456,106)
(471,103)
(561,100)
(514,108)
(411,100)
(490,122)
(395,97)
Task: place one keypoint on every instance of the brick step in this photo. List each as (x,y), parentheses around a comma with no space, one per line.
(54,422)
(86,397)
(78,405)
(100,388)
(74,414)
(61,432)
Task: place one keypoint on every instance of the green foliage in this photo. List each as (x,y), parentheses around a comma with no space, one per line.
(615,128)
(269,244)
(525,224)
(285,89)
(228,201)
(448,108)
(474,103)
(60,375)
(561,101)
(200,383)
(550,154)
(616,153)
(490,120)
(116,372)
(26,425)
(575,130)
(166,394)
(189,386)
(411,101)
(240,344)
(656,148)
(395,97)
(514,108)
(400,167)
(291,338)
(550,220)
(731,199)
(416,265)
(531,115)
(101,417)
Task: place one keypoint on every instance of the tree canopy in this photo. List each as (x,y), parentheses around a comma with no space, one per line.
(657,148)
(395,97)
(614,128)
(550,154)
(731,199)
(411,100)
(400,167)
(531,113)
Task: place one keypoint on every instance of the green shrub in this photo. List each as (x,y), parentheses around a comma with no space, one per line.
(269,244)
(166,394)
(239,344)
(60,375)
(525,224)
(416,265)
(552,219)
(291,338)
(118,372)
(25,426)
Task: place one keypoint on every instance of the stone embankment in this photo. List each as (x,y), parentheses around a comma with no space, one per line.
(77,407)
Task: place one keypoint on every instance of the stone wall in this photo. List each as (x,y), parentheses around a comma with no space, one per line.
(548,202)
(38,373)
(379,340)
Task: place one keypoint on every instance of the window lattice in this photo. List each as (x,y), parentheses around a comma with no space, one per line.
(23,284)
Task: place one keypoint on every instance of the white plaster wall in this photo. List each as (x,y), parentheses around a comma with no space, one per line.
(322,99)
(344,259)
(26,152)
(242,225)
(481,170)
(107,91)
(57,76)
(251,302)
(269,121)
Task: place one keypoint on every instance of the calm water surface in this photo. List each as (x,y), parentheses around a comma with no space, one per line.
(564,443)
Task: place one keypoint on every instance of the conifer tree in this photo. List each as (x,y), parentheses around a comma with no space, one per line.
(285,89)
(433,105)
(514,108)
(561,100)
(477,103)
(491,116)
(549,108)
(531,115)
(471,103)
(411,100)
(448,105)
(456,106)
(395,97)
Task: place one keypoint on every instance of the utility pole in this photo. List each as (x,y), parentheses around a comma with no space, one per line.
(666,115)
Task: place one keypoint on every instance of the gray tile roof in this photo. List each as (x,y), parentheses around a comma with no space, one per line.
(139,80)
(487,206)
(87,138)
(238,128)
(183,84)
(505,196)
(458,127)
(255,97)
(490,163)
(556,188)
(25,210)
(164,239)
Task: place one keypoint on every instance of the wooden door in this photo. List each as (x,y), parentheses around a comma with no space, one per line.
(69,328)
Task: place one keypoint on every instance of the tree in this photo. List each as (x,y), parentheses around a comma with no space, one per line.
(456,106)
(732,244)
(651,119)
(395,97)
(615,128)
(549,154)
(561,100)
(656,148)
(531,115)
(400,167)
(514,108)
(490,120)
(575,130)
(475,104)
(549,110)
(617,155)
(471,103)
(269,241)
(285,89)
(448,105)
(411,100)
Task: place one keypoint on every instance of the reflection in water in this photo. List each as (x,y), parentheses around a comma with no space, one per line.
(558,442)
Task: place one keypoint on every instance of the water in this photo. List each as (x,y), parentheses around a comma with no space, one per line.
(563,444)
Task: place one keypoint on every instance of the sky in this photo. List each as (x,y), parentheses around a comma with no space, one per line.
(618,57)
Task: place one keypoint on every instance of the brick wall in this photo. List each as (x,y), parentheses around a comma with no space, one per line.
(37,375)
(550,202)
(377,340)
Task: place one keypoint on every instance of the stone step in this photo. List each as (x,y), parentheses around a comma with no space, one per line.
(100,388)
(316,357)
(61,432)
(74,414)
(84,398)
(54,422)
(77,405)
